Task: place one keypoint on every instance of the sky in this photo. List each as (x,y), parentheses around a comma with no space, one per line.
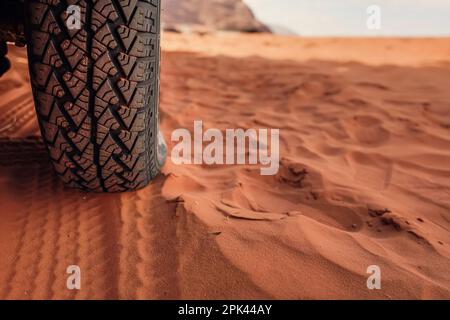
(349,17)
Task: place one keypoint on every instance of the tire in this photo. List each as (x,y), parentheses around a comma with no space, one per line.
(96,90)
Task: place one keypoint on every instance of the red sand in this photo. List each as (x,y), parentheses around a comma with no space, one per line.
(365,125)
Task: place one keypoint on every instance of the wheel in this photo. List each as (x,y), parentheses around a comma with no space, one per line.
(94,69)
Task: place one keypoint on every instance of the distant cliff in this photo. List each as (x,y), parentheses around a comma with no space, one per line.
(232,15)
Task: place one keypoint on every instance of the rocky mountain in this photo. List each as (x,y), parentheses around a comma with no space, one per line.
(232,15)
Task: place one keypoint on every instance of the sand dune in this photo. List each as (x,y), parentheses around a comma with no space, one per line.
(364,180)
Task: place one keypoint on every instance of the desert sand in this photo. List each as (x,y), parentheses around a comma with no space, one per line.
(364,180)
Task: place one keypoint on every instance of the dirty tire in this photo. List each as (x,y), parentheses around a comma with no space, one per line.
(96,89)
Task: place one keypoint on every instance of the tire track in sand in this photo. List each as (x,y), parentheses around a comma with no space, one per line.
(149,258)
(56,227)
(22,183)
(99,248)
(24,273)
(17,115)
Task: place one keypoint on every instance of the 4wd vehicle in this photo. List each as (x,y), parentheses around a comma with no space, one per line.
(94,69)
